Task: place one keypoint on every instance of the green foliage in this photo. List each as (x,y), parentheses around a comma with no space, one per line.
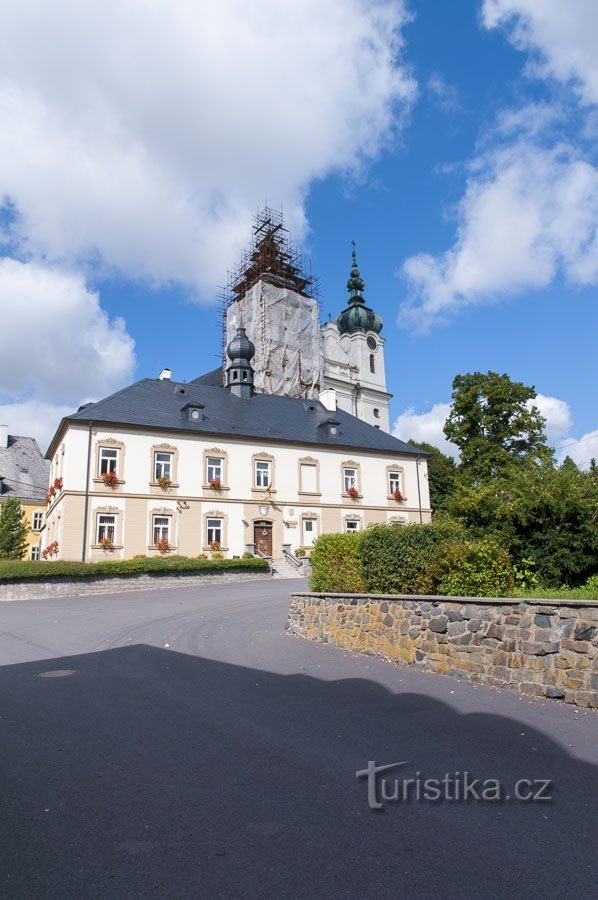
(13,529)
(492,426)
(473,569)
(587,591)
(159,565)
(336,564)
(397,559)
(442,475)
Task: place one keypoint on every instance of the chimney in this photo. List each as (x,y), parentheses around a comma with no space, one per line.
(3,437)
(328,399)
(165,375)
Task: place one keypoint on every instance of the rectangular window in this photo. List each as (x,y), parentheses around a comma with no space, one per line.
(394,482)
(214,530)
(262,473)
(108,460)
(309,480)
(162,465)
(34,553)
(37,521)
(161,529)
(309,532)
(214,469)
(106,528)
(349,479)
(352,525)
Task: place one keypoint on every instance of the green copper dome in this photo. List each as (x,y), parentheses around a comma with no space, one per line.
(357,316)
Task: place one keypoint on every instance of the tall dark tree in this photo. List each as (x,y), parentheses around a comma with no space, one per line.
(13,529)
(494,425)
(442,474)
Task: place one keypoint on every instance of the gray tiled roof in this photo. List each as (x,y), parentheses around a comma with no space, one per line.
(23,469)
(156,404)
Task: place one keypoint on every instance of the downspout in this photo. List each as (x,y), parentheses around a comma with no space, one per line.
(419,496)
(86,504)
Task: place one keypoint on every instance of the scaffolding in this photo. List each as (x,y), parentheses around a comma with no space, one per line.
(273,295)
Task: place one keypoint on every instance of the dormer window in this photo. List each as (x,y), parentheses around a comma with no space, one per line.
(194,412)
(330,427)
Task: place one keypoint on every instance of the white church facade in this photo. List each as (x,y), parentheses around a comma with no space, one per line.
(288,440)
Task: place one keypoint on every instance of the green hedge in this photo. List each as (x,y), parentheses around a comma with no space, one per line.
(473,569)
(336,564)
(11,570)
(399,559)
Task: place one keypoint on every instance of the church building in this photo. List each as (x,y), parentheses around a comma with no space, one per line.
(286,440)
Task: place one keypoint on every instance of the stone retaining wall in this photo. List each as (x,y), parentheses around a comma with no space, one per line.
(63,586)
(543,647)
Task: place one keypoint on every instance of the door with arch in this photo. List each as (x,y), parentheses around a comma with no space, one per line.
(262,537)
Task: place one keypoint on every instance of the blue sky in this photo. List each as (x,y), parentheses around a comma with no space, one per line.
(455,142)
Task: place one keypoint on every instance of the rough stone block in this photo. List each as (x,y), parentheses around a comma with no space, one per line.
(438,624)
(556,692)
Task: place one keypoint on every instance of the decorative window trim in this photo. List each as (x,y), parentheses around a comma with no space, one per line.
(214,514)
(115,511)
(111,444)
(174,464)
(263,457)
(309,461)
(223,455)
(400,471)
(398,520)
(351,464)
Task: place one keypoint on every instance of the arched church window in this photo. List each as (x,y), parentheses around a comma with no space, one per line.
(372,363)
(377,413)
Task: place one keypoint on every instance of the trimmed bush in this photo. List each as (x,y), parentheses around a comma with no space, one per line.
(15,571)
(398,559)
(473,569)
(336,564)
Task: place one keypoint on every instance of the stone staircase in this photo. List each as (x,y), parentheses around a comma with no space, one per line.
(282,568)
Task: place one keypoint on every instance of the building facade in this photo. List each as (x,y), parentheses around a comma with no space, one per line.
(24,474)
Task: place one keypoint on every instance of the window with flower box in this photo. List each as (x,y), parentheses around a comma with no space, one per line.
(108,461)
(162,465)
(349,479)
(214,470)
(214,531)
(394,483)
(160,530)
(105,529)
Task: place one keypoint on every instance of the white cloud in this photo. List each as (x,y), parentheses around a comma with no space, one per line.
(32,418)
(58,346)
(557,414)
(582,450)
(527,213)
(445,94)
(142,137)
(562,33)
(426,427)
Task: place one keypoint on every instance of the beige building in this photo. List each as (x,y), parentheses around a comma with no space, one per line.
(194,468)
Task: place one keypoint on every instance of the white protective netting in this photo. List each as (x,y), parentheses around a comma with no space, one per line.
(284,326)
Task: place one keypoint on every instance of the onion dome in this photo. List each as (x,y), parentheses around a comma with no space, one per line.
(240,347)
(357,316)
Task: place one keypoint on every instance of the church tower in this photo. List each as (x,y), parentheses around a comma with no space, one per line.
(273,299)
(353,357)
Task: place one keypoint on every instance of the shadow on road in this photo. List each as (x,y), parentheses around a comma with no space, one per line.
(152,773)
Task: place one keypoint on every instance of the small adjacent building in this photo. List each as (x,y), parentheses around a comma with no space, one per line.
(24,474)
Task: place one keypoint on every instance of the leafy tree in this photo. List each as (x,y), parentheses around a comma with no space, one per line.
(442,474)
(492,425)
(13,529)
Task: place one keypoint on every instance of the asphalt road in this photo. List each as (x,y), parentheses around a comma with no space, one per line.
(199,752)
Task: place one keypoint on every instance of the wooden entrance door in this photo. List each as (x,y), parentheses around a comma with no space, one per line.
(263,537)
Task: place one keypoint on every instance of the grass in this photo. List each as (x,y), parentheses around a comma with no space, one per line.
(17,570)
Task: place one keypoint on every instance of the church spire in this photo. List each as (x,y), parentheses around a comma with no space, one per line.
(355,284)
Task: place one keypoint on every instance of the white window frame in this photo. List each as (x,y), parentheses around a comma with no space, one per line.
(349,480)
(162,466)
(106,527)
(37,521)
(34,551)
(262,473)
(349,522)
(160,528)
(214,469)
(108,461)
(394,483)
(214,530)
